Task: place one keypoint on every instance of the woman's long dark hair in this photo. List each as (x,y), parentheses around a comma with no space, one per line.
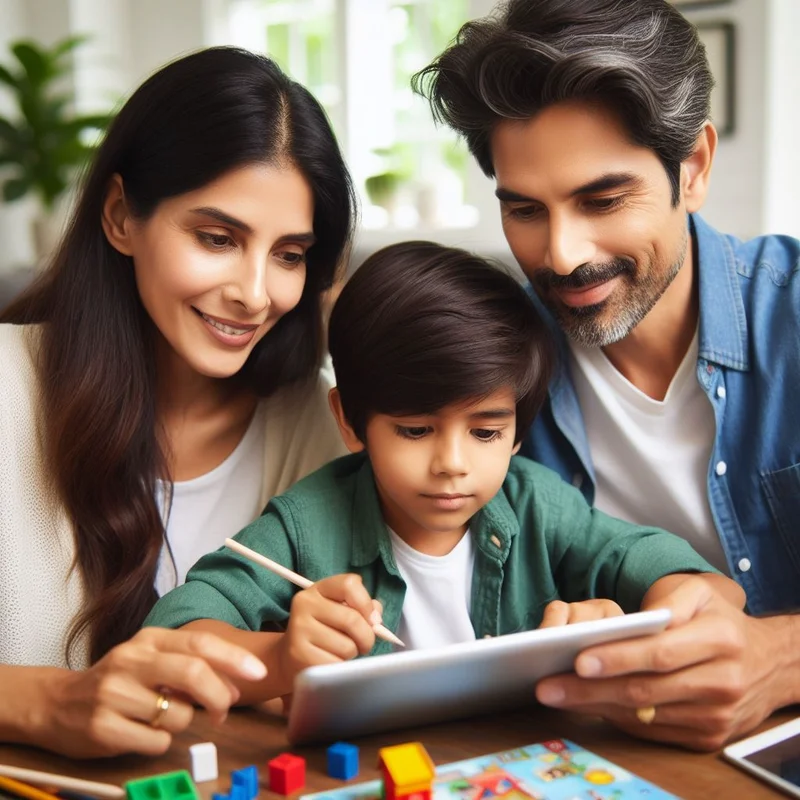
(191,122)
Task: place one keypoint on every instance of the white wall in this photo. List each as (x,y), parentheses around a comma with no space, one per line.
(782,127)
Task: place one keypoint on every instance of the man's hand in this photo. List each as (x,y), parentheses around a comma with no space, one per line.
(714,674)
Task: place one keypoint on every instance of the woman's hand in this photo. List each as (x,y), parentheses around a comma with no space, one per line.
(117,705)
(330,621)
(560,613)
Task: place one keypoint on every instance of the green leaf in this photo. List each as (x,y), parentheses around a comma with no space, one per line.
(8,131)
(7,78)
(67,45)
(36,63)
(15,188)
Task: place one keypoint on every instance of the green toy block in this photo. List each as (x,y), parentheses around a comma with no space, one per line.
(170,786)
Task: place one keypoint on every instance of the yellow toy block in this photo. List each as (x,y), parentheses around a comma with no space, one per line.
(407,768)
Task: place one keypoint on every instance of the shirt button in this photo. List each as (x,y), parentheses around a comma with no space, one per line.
(721,391)
(744,565)
(577,480)
(721,468)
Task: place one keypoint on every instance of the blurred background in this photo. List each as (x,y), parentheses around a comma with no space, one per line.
(357,57)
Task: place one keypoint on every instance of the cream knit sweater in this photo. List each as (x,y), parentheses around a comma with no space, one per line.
(39,592)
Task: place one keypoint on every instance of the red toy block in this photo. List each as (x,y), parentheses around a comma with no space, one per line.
(287,774)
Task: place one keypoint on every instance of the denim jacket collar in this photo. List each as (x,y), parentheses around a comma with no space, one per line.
(723,324)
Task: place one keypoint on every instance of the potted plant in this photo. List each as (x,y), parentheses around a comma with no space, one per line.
(45,142)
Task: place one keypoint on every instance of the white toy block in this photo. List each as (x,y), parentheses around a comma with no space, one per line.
(204,762)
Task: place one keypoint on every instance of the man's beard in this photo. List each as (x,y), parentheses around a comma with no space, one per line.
(615,317)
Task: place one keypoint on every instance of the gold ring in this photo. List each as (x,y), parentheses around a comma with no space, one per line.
(162,706)
(646,714)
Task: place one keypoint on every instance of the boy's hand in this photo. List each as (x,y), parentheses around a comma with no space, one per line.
(560,613)
(328,622)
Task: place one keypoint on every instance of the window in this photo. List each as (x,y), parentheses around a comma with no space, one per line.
(357,58)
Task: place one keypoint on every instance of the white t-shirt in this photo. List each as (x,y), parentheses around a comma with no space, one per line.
(206,510)
(650,457)
(438,594)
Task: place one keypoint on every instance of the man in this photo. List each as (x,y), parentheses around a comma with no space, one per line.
(676,402)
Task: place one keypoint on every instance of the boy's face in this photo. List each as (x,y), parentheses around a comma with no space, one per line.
(435,471)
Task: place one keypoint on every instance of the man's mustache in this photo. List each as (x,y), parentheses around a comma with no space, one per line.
(584,275)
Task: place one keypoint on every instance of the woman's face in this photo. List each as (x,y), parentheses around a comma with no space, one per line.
(217,267)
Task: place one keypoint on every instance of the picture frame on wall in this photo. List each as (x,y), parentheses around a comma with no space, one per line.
(719,39)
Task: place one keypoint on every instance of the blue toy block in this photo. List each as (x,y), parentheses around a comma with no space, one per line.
(247,778)
(170,786)
(343,761)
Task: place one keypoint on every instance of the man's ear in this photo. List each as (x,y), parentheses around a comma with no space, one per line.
(116,218)
(696,170)
(351,441)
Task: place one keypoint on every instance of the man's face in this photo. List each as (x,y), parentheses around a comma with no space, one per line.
(589,217)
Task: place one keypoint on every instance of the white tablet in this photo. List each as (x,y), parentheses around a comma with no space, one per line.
(773,756)
(351,698)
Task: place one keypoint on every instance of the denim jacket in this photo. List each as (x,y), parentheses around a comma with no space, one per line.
(749,368)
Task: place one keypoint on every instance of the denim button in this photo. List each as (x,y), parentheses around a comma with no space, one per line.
(744,565)
(721,468)
(721,391)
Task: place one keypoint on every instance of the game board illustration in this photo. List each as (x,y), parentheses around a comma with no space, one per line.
(553,770)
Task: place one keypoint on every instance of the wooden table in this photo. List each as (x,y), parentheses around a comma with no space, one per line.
(250,737)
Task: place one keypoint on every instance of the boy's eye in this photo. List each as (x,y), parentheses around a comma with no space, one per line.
(411,432)
(487,434)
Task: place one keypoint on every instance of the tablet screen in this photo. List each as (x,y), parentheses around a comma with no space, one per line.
(781,759)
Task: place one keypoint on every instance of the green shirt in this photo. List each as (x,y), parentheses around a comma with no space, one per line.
(536,541)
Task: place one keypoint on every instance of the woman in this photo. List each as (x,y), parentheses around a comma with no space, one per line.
(157,385)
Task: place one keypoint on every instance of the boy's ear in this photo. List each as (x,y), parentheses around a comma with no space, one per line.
(351,441)
(516,448)
(116,218)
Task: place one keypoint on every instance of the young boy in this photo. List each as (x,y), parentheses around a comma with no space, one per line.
(430,527)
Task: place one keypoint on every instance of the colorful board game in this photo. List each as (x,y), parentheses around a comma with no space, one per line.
(553,770)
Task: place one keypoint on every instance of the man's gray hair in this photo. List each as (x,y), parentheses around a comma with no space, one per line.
(639,58)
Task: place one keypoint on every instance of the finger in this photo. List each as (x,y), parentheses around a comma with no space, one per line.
(335,618)
(112,734)
(700,727)
(338,645)
(711,636)
(192,677)
(592,610)
(555,614)
(696,735)
(129,699)
(711,683)
(176,718)
(223,656)
(348,589)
